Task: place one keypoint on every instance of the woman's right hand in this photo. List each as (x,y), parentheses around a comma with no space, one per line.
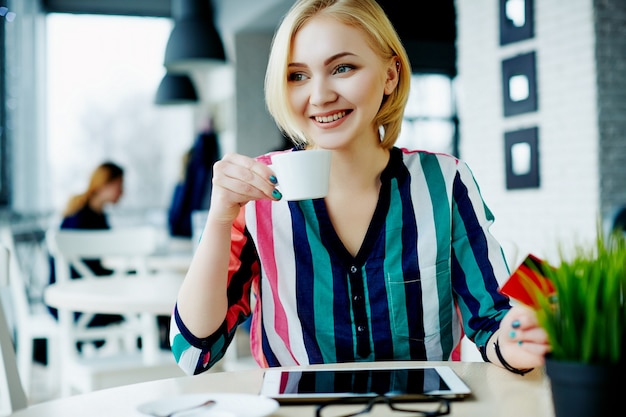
(238,179)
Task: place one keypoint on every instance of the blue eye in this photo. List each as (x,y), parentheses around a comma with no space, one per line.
(296,76)
(343,68)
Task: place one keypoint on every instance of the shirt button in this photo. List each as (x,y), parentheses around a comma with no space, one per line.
(360,328)
(353,269)
(357,298)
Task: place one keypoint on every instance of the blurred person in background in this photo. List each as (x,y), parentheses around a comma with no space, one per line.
(87,211)
(193,191)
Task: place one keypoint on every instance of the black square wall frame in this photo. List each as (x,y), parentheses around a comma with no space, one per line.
(521,150)
(519,84)
(516,20)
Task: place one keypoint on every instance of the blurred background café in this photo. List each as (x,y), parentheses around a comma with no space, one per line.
(530,93)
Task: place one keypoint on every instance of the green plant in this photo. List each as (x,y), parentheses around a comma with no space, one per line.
(586,316)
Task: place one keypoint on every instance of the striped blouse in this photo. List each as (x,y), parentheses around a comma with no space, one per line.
(426,273)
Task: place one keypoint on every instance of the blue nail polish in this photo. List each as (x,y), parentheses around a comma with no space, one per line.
(273,179)
(516,324)
(277,194)
(512,334)
(519,342)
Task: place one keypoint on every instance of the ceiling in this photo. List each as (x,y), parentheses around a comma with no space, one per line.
(228,13)
(430,20)
(428,31)
(158,8)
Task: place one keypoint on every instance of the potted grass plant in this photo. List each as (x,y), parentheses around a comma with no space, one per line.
(581,306)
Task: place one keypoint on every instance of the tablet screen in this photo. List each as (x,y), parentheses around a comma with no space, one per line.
(415,382)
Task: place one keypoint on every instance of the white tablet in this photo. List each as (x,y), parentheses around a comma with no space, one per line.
(406,383)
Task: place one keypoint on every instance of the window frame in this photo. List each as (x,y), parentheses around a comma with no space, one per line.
(4,132)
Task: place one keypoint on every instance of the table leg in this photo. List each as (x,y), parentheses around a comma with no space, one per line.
(149,338)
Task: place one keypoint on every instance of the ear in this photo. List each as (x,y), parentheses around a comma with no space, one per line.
(393,75)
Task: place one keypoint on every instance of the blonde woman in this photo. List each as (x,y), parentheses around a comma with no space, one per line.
(393,264)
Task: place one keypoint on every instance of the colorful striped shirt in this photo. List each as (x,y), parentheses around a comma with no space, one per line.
(426,273)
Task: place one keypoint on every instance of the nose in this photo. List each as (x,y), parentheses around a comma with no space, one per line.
(321,92)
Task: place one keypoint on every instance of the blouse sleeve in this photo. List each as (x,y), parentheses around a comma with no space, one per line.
(478,262)
(195,355)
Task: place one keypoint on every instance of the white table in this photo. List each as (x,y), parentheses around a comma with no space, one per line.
(148,296)
(496,393)
(153,294)
(169,262)
(173,256)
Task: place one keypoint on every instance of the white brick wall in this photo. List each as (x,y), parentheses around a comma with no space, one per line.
(565,207)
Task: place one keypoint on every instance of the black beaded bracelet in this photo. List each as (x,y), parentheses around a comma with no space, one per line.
(496,346)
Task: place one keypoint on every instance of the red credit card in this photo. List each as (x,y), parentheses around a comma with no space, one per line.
(526,279)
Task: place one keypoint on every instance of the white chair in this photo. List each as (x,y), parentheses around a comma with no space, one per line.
(119,362)
(31,321)
(11,385)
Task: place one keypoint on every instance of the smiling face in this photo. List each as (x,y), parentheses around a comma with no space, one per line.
(336,83)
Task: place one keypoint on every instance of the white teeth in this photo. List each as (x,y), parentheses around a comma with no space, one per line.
(331,118)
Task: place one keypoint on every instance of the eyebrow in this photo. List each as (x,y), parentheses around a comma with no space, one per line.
(326,61)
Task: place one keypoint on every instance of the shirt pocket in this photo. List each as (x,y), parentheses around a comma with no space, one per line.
(406,292)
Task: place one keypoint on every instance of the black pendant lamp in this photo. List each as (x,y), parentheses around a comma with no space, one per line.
(176,89)
(194,42)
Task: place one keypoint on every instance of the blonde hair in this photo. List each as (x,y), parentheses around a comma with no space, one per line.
(104,174)
(371,20)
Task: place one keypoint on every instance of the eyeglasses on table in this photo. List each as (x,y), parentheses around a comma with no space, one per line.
(351,406)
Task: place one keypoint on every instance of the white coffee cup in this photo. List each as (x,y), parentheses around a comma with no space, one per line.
(302,175)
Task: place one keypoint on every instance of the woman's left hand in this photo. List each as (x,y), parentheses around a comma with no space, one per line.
(522,341)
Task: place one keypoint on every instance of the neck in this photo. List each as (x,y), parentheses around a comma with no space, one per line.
(358,170)
(96,205)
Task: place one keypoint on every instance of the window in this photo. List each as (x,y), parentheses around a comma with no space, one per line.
(430,119)
(102,76)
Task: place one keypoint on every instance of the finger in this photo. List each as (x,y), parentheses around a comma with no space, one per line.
(254,173)
(533,351)
(531,355)
(536,335)
(524,354)
(234,191)
(530,334)
(244,176)
(250,164)
(535,348)
(531,342)
(521,318)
